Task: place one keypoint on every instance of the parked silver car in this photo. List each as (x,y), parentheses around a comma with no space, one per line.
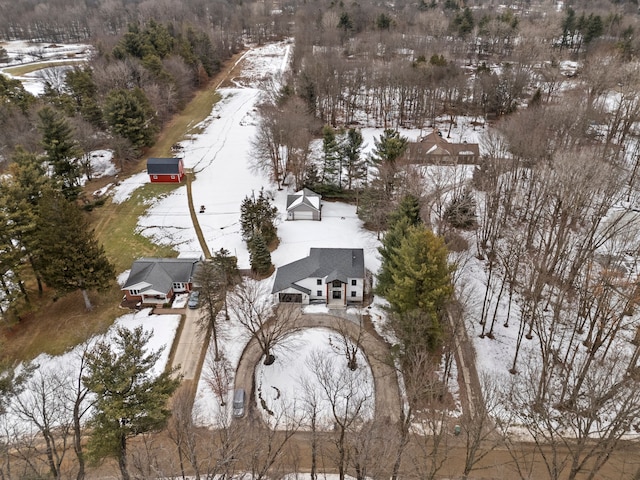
(194,299)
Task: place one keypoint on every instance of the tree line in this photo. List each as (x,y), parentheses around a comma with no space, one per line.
(131,86)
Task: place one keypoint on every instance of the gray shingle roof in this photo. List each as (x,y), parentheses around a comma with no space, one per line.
(159,274)
(159,166)
(332,263)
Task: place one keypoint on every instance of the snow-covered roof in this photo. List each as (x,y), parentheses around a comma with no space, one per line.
(304,199)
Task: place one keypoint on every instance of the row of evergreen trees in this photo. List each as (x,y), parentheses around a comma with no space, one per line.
(46,235)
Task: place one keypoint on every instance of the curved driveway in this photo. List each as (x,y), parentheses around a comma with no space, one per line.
(387,393)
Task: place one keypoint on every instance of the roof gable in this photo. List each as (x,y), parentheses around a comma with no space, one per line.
(435,146)
(304,199)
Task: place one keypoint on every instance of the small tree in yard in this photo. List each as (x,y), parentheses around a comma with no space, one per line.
(461,212)
(257,216)
(130,400)
(211,279)
(252,305)
(259,255)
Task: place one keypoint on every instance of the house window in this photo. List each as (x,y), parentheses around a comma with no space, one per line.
(336,284)
(354,282)
(179,286)
(318,293)
(353,293)
(173,177)
(155,177)
(134,292)
(337,294)
(319,281)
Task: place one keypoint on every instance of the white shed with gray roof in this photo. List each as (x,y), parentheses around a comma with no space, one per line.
(334,276)
(304,205)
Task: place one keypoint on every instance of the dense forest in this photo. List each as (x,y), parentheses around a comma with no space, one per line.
(548,215)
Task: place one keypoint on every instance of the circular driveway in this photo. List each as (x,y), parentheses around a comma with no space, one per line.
(376,351)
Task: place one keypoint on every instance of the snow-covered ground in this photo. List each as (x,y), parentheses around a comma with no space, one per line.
(21,52)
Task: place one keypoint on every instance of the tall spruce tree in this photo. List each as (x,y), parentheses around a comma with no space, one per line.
(421,275)
(406,215)
(20,193)
(388,148)
(332,158)
(61,150)
(70,257)
(351,149)
(259,255)
(130,399)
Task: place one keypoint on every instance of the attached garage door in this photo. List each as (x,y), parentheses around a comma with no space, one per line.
(302,215)
(290,298)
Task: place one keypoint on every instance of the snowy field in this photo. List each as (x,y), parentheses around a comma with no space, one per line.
(21,52)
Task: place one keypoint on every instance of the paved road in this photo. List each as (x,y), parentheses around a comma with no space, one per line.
(387,393)
(190,346)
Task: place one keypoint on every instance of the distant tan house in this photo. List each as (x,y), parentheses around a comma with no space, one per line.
(434,149)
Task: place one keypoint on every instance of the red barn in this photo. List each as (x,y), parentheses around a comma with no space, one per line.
(165,170)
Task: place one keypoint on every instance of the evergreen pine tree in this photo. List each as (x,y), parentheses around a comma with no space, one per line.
(351,152)
(389,147)
(332,164)
(70,257)
(130,400)
(129,114)
(259,255)
(406,215)
(420,272)
(20,193)
(61,151)
(83,90)
(387,150)
(257,216)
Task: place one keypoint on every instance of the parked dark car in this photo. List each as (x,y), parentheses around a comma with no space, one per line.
(194,299)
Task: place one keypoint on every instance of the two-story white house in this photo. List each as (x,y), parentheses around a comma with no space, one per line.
(334,276)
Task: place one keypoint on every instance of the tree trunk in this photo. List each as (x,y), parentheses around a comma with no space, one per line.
(77,441)
(122,458)
(215,342)
(87,301)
